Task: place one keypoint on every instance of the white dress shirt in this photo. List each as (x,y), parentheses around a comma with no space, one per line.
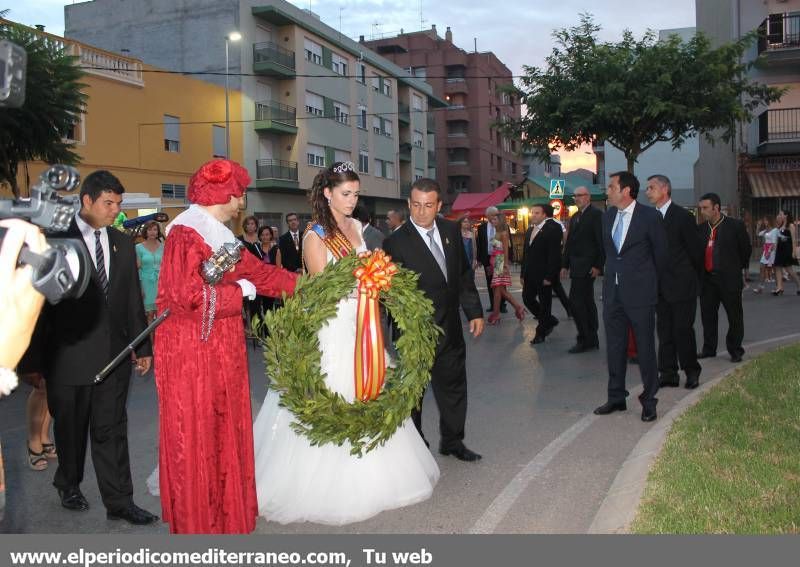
(423,232)
(536,229)
(663,209)
(489,236)
(626,219)
(87,232)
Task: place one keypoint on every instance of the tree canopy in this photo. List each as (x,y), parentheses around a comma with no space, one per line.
(53,103)
(635,93)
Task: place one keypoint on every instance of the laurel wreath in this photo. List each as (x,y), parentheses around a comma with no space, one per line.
(292,354)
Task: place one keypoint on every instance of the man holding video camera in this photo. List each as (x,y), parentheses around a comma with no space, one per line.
(79,337)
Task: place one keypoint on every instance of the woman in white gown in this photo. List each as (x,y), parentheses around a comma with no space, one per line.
(298,482)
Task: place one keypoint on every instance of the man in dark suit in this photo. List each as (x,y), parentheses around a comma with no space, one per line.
(291,245)
(727,252)
(394,219)
(432,247)
(583,261)
(677,289)
(483,254)
(636,256)
(541,261)
(79,337)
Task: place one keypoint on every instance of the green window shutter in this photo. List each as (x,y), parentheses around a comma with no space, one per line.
(327,108)
(330,156)
(327,60)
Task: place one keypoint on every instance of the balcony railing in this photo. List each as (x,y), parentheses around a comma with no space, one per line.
(779,31)
(779,125)
(403,112)
(276,169)
(270,52)
(277,112)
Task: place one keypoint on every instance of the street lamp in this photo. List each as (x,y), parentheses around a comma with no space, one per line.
(233,36)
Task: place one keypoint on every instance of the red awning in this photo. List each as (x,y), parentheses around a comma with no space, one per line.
(475,204)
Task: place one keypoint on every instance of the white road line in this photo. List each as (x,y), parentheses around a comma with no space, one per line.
(500,506)
(503,502)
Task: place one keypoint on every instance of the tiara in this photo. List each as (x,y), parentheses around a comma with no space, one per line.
(344,167)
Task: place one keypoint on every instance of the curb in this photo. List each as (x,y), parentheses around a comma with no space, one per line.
(621,503)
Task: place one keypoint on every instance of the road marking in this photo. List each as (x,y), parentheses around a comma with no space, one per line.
(500,506)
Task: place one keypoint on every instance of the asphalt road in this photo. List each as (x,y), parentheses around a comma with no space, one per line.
(547,465)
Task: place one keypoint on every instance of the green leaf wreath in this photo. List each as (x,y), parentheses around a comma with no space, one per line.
(292,354)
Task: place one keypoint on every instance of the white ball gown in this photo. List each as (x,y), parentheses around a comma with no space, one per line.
(298,482)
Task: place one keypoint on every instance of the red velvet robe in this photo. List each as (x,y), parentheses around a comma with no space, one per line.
(207,480)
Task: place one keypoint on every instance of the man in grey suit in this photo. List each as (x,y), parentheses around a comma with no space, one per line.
(636,255)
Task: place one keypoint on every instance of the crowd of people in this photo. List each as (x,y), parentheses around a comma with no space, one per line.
(218,470)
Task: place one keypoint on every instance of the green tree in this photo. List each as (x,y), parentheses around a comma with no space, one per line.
(636,93)
(53,102)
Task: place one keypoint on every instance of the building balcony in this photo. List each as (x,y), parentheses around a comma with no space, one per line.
(458,141)
(458,169)
(779,39)
(273,60)
(405,189)
(430,121)
(779,131)
(405,151)
(275,118)
(276,174)
(403,113)
(431,157)
(454,85)
(457,112)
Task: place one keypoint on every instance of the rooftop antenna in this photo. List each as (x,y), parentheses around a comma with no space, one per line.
(422,20)
(375,33)
(340,23)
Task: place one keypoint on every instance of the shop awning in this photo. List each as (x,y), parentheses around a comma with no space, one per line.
(475,204)
(768,184)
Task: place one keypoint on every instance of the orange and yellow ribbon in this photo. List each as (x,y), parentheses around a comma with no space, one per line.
(373,276)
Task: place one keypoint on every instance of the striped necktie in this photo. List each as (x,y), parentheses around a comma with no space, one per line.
(101,262)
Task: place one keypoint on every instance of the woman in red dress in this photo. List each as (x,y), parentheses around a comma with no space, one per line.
(206,434)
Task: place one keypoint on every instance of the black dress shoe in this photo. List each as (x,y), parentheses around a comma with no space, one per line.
(692,382)
(73,499)
(461,453)
(704,354)
(538,339)
(669,381)
(611,407)
(133,515)
(577,349)
(736,358)
(649,414)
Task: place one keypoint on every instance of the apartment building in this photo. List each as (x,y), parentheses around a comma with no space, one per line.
(760,170)
(472,156)
(151,129)
(309,95)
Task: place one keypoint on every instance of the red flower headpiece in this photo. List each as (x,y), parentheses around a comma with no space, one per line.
(216,181)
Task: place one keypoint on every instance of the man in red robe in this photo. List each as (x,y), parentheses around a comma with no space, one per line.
(207,481)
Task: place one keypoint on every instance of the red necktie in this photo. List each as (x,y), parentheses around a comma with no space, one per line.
(709,260)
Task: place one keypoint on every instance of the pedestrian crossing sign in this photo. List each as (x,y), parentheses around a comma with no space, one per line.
(557,188)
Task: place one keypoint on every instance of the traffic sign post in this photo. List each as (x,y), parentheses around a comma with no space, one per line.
(557,187)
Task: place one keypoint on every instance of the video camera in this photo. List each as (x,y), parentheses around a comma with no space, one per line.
(65,268)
